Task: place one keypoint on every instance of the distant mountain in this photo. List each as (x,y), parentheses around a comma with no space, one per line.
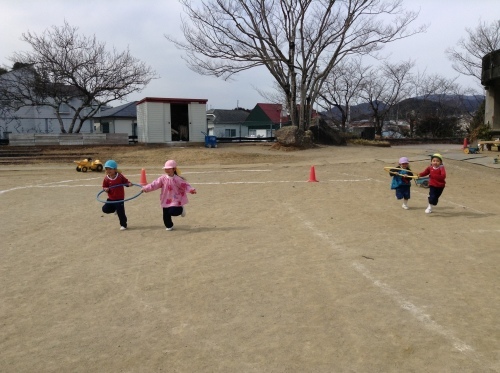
(447,104)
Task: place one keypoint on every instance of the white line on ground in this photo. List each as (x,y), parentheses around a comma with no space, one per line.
(51,184)
(399,299)
(415,311)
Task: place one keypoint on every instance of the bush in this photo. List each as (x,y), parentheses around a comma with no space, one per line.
(370,142)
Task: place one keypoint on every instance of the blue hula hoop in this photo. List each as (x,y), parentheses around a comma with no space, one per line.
(120,200)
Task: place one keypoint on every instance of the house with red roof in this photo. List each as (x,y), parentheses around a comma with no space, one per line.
(264,119)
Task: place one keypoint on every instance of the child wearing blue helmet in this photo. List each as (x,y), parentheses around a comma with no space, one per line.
(400,183)
(113,185)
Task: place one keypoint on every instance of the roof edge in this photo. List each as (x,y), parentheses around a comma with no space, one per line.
(168,100)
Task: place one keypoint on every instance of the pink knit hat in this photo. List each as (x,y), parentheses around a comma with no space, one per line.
(170,164)
(403,160)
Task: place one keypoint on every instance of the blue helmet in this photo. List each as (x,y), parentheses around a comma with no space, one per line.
(111,164)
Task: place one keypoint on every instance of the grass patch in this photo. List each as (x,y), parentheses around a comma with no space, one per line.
(370,142)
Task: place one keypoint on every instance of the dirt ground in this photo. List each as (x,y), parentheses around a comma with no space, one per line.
(267,272)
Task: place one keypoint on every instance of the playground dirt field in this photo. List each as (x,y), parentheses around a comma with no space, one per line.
(266,273)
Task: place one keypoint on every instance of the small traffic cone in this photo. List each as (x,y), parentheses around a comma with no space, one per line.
(143,177)
(312,176)
(466,143)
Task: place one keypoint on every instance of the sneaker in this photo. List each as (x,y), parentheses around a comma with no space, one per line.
(123,228)
(183,213)
(428,210)
(169,229)
(405,207)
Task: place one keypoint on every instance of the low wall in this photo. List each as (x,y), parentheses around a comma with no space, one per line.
(413,141)
(40,139)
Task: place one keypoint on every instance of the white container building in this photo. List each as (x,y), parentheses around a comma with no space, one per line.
(170,120)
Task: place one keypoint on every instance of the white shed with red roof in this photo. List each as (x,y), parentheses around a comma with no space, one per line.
(168,120)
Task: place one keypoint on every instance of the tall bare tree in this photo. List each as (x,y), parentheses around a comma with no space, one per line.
(63,65)
(385,86)
(469,51)
(298,41)
(428,93)
(343,88)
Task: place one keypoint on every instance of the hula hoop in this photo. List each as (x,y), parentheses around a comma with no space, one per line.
(389,168)
(120,200)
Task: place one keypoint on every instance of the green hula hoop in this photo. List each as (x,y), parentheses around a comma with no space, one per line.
(120,200)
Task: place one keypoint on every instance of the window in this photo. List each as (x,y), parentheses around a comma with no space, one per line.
(105,127)
(252,133)
(63,109)
(231,132)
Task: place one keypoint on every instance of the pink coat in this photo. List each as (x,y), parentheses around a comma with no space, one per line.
(173,190)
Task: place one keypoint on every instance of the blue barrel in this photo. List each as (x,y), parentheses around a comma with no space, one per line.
(210,141)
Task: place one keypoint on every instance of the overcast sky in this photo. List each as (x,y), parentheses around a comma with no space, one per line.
(141,25)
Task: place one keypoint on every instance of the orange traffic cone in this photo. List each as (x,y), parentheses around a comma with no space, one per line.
(466,143)
(143,177)
(312,176)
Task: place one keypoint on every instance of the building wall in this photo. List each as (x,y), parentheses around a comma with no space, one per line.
(154,121)
(116,126)
(40,119)
(142,119)
(197,122)
(489,111)
(490,79)
(220,129)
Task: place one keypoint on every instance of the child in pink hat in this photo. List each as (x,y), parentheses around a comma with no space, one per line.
(400,183)
(173,196)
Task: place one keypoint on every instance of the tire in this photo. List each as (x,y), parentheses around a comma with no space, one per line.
(425,183)
(99,168)
(466,151)
(84,169)
(78,169)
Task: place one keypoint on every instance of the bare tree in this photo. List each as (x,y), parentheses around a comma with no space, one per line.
(428,94)
(298,41)
(385,87)
(469,52)
(343,88)
(64,65)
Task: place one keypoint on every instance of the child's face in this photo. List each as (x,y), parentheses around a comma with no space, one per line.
(435,162)
(404,165)
(110,171)
(169,171)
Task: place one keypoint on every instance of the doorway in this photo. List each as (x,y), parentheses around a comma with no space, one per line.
(179,115)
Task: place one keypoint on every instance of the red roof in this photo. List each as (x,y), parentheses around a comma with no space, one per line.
(273,112)
(174,100)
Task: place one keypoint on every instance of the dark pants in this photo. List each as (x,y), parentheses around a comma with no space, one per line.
(110,208)
(434,194)
(403,192)
(168,212)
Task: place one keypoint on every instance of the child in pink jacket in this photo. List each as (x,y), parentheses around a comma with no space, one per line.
(173,194)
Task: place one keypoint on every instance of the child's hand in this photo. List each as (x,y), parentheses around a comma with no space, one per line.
(192,191)
(106,190)
(144,190)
